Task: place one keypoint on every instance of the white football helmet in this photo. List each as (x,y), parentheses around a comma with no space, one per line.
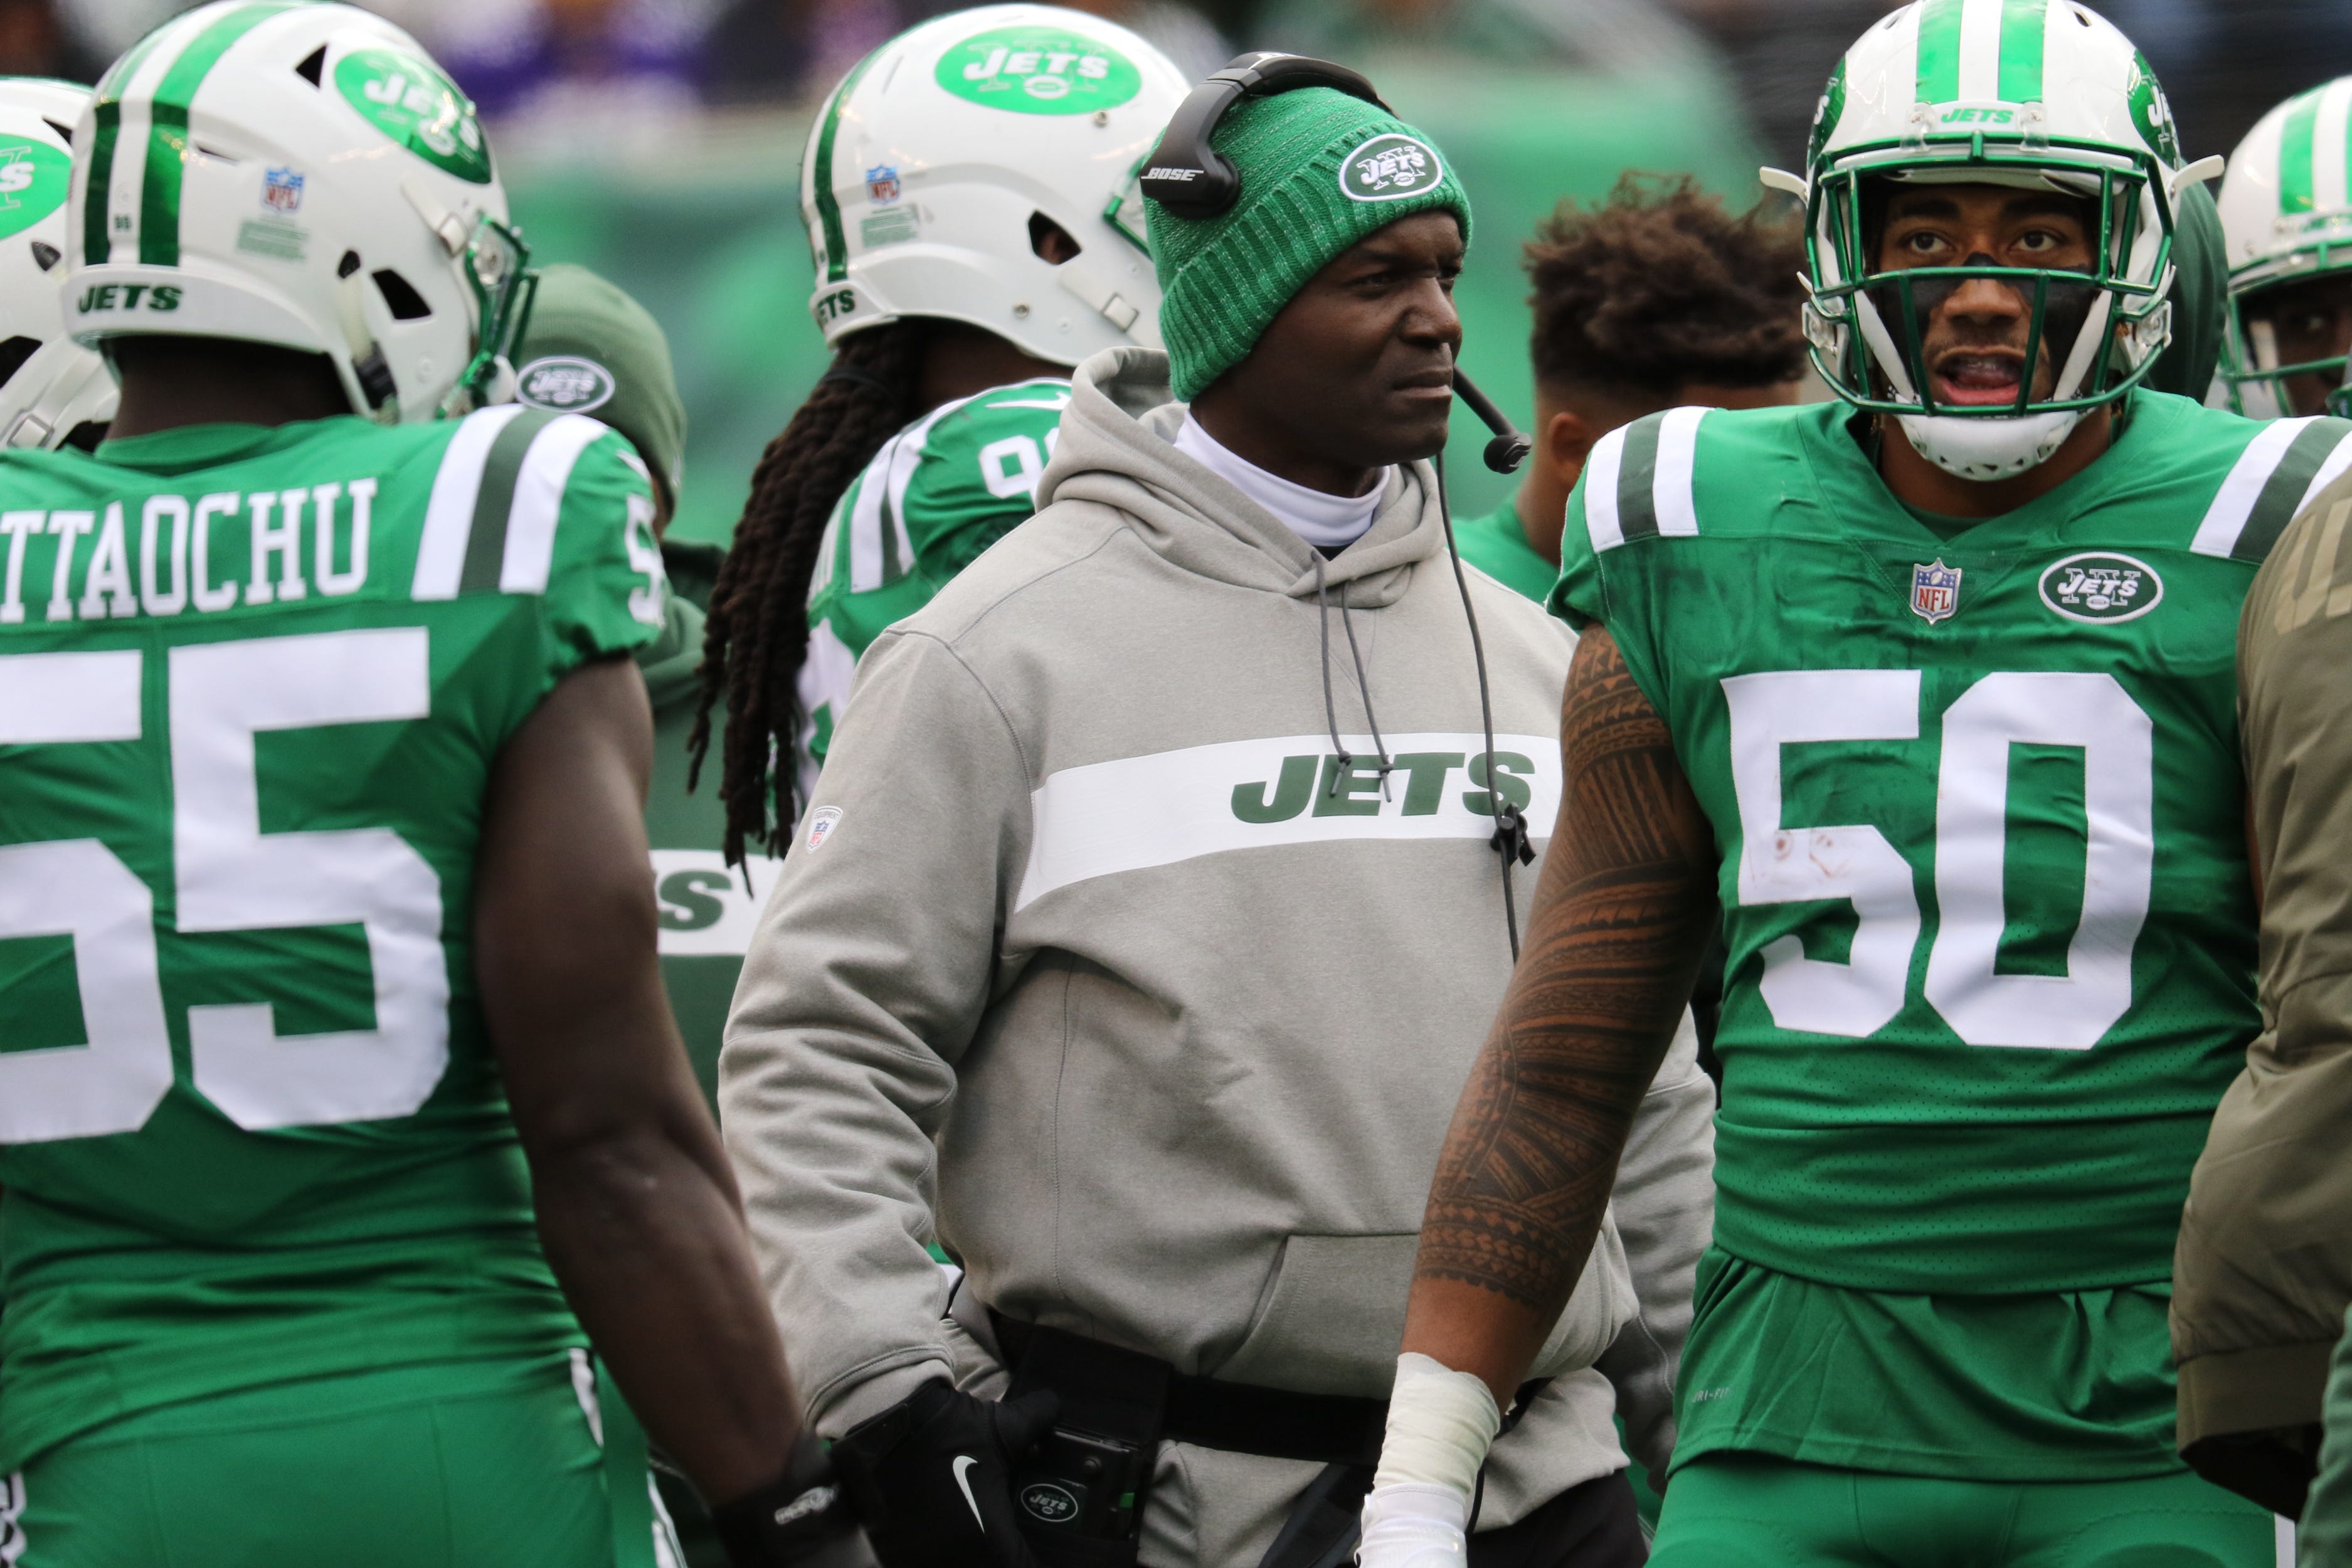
(2286,218)
(305,177)
(50,387)
(2042,94)
(929,162)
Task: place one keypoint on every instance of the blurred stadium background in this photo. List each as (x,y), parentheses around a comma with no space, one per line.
(658,140)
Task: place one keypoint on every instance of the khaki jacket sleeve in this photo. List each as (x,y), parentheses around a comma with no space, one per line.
(866,977)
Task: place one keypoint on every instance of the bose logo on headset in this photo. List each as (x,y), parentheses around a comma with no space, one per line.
(1171,173)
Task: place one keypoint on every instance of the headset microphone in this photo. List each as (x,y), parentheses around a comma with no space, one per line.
(1511,444)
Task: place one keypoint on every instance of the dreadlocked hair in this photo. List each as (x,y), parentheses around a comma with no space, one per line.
(758,634)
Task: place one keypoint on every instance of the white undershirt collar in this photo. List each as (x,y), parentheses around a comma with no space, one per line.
(1323,521)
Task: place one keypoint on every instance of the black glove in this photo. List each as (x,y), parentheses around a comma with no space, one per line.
(932,1477)
(801,1520)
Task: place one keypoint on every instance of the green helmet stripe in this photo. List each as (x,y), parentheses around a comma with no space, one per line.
(2296,138)
(828,209)
(2023,27)
(1939,51)
(97,244)
(2331,148)
(1972,50)
(167,133)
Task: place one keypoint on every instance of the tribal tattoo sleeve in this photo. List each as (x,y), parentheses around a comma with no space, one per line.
(1622,911)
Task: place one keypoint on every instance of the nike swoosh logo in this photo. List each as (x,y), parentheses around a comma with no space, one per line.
(962,1468)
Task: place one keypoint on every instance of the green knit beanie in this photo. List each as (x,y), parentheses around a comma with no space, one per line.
(591,349)
(1319,171)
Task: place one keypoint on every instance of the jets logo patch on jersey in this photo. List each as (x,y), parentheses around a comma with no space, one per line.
(2100,586)
(1934,591)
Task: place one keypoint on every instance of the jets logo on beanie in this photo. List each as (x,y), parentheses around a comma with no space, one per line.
(1319,171)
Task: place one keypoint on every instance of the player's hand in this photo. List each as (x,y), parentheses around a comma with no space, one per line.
(801,1520)
(1408,1526)
(932,1477)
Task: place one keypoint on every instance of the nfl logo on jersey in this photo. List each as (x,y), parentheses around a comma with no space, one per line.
(1934,591)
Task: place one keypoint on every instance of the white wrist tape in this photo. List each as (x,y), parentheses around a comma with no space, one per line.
(1414,1527)
(1441,1424)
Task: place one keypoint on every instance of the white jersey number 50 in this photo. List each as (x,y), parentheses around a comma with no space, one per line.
(230,877)
(1783,864)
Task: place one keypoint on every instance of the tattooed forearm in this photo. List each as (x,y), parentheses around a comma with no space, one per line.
(1622,914)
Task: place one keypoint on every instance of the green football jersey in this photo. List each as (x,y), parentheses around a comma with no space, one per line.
(252,685)
(1498,545)
(1982,835)
(936,495)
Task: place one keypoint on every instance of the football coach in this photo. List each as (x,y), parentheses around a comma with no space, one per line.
(1144,927)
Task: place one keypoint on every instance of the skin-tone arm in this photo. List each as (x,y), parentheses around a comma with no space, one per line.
(636,1205)
(1622,914)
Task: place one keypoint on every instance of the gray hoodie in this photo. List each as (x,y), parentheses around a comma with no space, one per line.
(1093,960)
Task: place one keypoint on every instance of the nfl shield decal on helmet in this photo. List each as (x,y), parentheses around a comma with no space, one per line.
(281,189)
(1934,591)
(882,184)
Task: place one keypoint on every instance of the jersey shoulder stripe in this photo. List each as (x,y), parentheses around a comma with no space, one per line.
(893,508)
(1641,480)
(537,499)
(449,512)
(490,522)
(2285,465)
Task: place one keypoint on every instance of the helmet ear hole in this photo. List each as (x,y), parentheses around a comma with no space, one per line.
(1050,242)
(45,254)
(65,133)
(313,66)
(401,297)
(14,352)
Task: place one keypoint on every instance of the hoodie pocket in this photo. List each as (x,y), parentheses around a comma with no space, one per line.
(1333,1317)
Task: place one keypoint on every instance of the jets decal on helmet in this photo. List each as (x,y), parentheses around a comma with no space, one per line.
(931,164)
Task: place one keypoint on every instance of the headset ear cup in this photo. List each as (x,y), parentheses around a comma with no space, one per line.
(1220,183)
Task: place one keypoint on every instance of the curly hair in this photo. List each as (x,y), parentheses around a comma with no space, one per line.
(756,635)
(1658,287)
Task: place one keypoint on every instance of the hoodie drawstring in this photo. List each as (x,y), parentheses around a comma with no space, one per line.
(1511,839)
(1363,683)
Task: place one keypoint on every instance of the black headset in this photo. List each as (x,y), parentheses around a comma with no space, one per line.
(1192,179)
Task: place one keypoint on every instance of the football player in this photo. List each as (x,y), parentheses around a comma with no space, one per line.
(966,257)
(1931,687)
(315,1130)
(2287,216)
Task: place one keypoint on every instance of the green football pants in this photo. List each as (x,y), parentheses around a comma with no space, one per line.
(466,1464)
(1753,1510)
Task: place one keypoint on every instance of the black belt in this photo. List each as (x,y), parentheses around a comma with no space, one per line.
(1206,1412)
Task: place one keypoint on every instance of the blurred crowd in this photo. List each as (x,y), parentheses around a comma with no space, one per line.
(573,63)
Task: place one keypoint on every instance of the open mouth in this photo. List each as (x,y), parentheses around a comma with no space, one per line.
(1977,378)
